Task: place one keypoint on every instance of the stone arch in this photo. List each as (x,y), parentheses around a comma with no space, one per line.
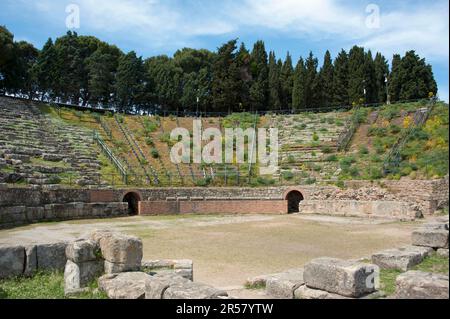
(294,197)
(133,199)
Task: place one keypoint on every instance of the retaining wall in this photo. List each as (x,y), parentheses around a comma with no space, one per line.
(213,207)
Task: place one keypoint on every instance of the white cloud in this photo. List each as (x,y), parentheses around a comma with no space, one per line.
(157,23)
(424,28)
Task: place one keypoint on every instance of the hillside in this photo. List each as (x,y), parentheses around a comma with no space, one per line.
(41,144)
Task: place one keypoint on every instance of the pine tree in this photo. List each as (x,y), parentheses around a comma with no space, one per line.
(129,81)
(326,76)
(340,80)
(356,75)
(102,67)
(274,83)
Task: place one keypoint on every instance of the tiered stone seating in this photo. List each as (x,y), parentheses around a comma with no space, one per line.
(37,149)
(307,140)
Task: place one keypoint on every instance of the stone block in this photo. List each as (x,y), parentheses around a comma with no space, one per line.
(284,284)
(344,277)
(158,284)
(12,261)
(193,290)
(119,248)
(52,256)
(304,292)
(421,285)
(402,258)
(428,237)
(83,250)
(78,275)
(127,285)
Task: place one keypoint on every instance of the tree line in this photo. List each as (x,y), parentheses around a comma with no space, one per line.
(84,70)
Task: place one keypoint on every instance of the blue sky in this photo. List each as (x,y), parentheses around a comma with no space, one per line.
(152,27)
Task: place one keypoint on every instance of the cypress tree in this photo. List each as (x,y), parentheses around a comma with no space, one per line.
(274,83)
(326,76)
(370,83)
(356,75)
(287,82)
(340,80)
(395,81)
(381,73)
(298,91)
(259,91)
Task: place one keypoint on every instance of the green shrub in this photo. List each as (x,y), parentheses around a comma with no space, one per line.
(265,181)
(150,126)
(291,159)
(327,150)
(340,184)
(165,138)
(287,175)
(120,118)
(363,150)
(310,181)
(155,153)
(360,115)
(149,141)
(203,182)
(315,137)
(375,159)
(300,127)
(332,158)
(108,114)
(377,131)
(354,172)
(54,179)
(394,129)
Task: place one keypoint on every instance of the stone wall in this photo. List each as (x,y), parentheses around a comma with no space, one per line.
(371,209)
(213,207)
(26,205)
(12,216)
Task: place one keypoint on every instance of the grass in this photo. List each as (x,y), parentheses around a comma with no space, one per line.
(433,263)
(43,285)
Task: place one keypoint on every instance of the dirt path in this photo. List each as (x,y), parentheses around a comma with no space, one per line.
(227,250)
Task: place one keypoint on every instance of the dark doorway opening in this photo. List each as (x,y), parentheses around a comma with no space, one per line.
(294,198)
(132,199)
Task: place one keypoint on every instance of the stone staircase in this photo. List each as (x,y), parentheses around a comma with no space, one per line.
(37,149)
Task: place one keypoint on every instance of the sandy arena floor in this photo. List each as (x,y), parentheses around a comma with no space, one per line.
(228,249)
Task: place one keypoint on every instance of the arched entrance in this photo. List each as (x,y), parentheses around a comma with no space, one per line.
(132,199)
(294,198)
